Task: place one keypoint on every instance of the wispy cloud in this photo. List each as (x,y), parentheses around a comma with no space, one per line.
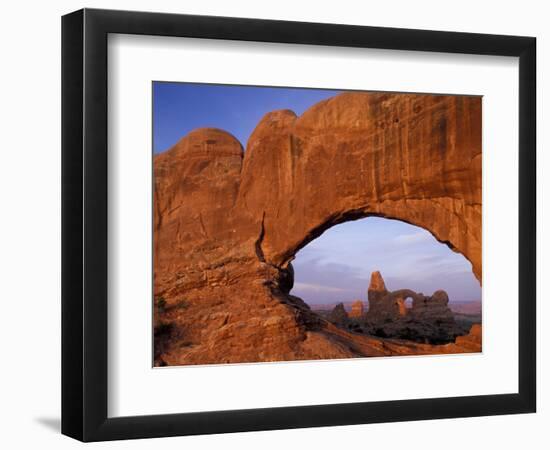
(412,238)
(317,287)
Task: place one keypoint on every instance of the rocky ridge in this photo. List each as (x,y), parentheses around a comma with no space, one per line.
(429,319)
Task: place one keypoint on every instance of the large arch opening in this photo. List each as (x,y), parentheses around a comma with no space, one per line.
(333,275)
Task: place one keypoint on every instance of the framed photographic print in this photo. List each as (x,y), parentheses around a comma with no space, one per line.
(273,224)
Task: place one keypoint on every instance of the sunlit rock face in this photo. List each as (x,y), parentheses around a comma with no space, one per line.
(472,340)
(416,158)
(227,223)
(357,309)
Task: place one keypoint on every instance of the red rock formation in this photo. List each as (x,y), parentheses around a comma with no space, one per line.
(384,305)
(472,341)
(357,309)
(377,285)
(227,225)
(338,316)
(416,158)
(429,320)
(430,309)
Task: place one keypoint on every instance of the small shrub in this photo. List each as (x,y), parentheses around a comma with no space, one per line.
(163,334)
(161,303)
(181,304)
(163,329)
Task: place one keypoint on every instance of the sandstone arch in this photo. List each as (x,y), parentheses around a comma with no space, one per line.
(415,158)
(228,223)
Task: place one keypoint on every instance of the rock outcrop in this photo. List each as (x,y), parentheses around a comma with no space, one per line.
(338,316)
(471,341)
(429,319)
(385,306)
(227,223)
(357,310)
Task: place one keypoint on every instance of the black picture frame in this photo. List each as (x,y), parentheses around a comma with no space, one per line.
(84,224)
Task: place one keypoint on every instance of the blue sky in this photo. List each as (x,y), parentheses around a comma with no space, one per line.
(179,108)
(337,265)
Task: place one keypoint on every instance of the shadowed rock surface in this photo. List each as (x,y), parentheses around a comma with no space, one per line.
(338,316)
(429,320)
(227,224)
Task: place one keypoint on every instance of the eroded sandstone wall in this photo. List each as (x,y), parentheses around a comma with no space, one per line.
(416,158)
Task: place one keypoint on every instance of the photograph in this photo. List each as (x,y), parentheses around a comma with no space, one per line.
(294,224)
(266,225)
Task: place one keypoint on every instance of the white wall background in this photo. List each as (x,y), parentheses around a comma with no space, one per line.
(30,224)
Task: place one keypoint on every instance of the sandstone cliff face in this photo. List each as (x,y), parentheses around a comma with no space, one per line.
(357,309)
(227,224)
(416,158)
(472,341)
